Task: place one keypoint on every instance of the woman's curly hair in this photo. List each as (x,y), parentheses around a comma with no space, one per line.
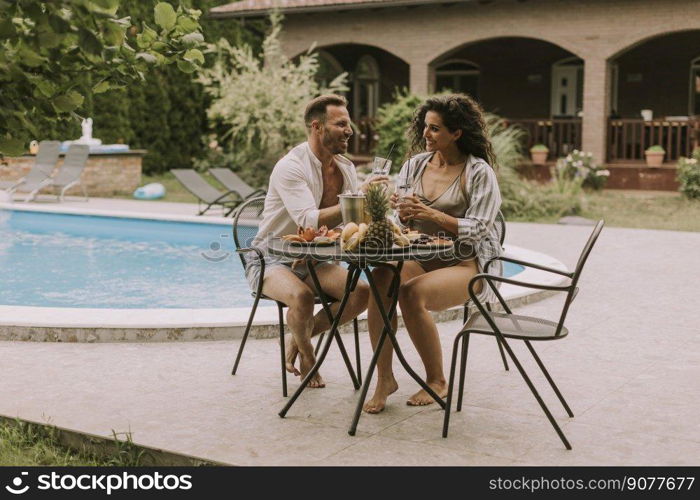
(458,112)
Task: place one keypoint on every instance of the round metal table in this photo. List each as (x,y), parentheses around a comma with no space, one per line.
(360,262)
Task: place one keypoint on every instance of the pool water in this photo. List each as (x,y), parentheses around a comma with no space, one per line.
(59,260)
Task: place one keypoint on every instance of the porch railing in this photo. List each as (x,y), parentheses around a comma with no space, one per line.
(560,135)
(629,138)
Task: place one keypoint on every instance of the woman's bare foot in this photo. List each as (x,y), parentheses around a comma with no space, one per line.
(290,355)
(307,362)
(384,388)
(422,398)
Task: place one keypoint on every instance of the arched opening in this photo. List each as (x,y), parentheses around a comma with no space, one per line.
(457,75)
(656,97)
(532,83)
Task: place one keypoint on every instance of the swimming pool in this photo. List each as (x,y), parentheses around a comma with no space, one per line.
(86,261)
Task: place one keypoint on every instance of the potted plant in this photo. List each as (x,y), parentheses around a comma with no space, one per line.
(655,156)
(539,153)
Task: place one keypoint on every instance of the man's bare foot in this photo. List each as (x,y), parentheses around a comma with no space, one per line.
(422,398)
(307,362)
(384,388)
(291,352)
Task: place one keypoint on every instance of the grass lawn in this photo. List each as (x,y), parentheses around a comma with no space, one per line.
(637,209)
(33,445)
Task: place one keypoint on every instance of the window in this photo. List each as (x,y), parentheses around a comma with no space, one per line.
(366,88)
(567,87)
(458,76)
(328,68)
(695,87)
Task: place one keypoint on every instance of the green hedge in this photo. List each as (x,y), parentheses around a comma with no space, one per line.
(166,115)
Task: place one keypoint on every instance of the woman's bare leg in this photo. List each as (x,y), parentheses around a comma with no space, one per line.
(434,291)
(386,383)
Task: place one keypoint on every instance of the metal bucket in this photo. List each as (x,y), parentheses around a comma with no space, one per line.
(352,208)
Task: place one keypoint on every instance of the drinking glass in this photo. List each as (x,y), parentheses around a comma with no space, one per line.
(381,166)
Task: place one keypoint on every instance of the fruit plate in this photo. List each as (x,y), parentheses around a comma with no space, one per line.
(434,244)
(313,243)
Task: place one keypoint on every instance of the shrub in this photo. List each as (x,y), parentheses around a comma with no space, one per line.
(655,149)
(689,175)
(539,148)
(257,102)
(393,121)
(582,165)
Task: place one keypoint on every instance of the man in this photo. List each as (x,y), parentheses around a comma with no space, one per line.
(303,191)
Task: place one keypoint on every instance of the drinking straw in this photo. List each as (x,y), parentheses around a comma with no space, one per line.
(391,150)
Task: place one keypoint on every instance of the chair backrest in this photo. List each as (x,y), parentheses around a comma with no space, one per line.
(73,165)
(196,184)
(232,182)
(244,232)
(45,160)
(500,224)
(577,272)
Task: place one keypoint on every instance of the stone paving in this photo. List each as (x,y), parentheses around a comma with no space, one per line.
(629,370)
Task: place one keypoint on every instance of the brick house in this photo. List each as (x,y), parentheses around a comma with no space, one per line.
(575,73)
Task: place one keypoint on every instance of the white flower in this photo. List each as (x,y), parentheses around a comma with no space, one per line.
(579,163)
(569,158)
(575,151)
(589,154)
(603,173)
(692,161)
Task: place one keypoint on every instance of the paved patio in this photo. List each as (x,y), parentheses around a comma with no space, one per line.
(629,370)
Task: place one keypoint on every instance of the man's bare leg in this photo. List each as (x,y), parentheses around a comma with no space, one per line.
(434,291)
(386,383)
(332,279)
(283,285)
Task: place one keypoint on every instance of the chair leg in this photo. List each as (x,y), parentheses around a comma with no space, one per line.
(450,385)
(318,344)
(356,329)
(462,370)
(537,395)
(282,351)
(500,347)
(549,379)
(465,313)
(245,335)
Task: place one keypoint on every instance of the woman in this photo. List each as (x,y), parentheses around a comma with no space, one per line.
(455,195)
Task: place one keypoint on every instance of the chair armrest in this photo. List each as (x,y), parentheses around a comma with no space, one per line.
(490,278)
(527,264)
(223,196)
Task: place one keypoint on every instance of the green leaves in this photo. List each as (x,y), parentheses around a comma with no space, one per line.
(30,58)
(11,147)
(193,39)
(101,87)
(165,16)
(89,41)
(55,54)
(194,55)
(186,66)
(67,102)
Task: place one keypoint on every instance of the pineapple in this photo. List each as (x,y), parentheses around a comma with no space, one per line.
(380,232)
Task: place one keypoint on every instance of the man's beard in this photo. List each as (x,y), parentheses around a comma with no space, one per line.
(334,146)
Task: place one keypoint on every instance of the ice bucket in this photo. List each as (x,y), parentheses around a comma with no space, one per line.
(352,208)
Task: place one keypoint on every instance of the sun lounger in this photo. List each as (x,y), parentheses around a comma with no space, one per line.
(230,180)
(68,174)
(205,193)
(44,163)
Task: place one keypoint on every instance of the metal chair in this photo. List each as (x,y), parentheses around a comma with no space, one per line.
(500,224)
(244,230)
(513,326)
